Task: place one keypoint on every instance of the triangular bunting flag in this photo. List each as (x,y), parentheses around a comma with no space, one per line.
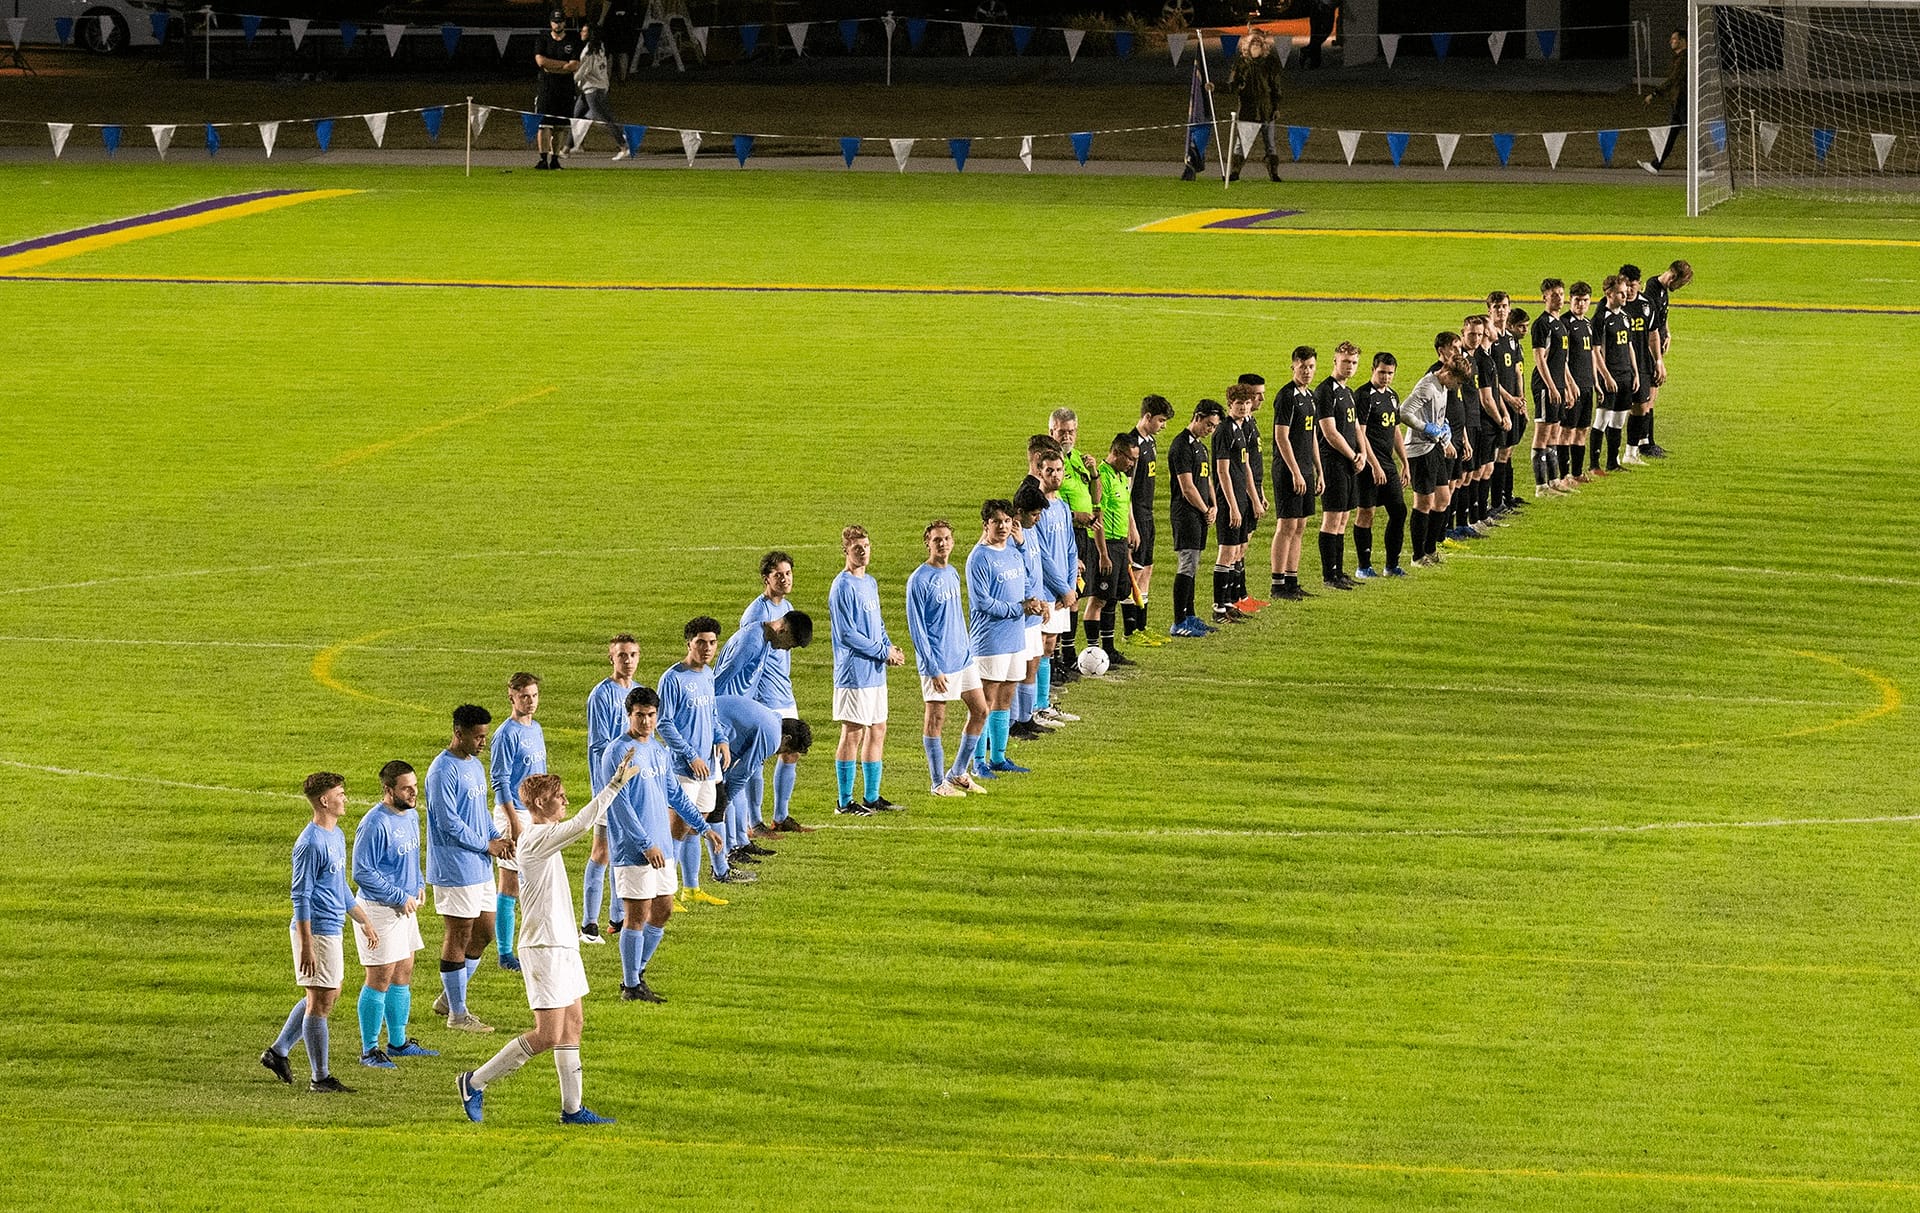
(1074,38)
(1082,146)
(1229,46)
(249,29)
(450,38)
(1717,131)
(1349,141)
(1122,43)
(970,31)
(376,126)
(1546,38)
(1200,138)
(500,39)
(1176,46)
(690,144)
(1284,49)
(58,132)
(297,29)
(902,148)
(890,24)
(323,133)
(269,133)
(110,139)
(1447,143)
(849,148)
(480,115)
(1248,132)
(16,30)
(432,117)
(849,30)
(1297,140)
(1769,131)
(634,133)
(797,30)
(530,125)
(1555,140)
(106,29)
(580,127)
(700,37)
(1440,44)
(63,29)
(742,148)
(1882,146)
(1026,151)
(958,149)
(916,30)
(749,39)
(394,33)
(1022,35)
(213,140)
(158,23)
(1389,47)
(1397,145)
(1607,141)
(1822,143)
(1503,148)
(1497,42)
(162,137)
(1660,136)
(348,32)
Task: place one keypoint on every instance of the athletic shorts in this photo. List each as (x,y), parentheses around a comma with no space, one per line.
(399,935)
(1581,411)
(555,977)
(1231,534)
(958,683)
(1430,470)
(500,824)
(1035,647)
(1517,430)
(788,712)
(1143,555)
(1189,531)
(1286,502)
(644,881)
(1002,667)
(1620,400)
(704,794)
(1644,392)
(1059,623)
(326,961)
(1486,441)
(554,103)
(466,900)
(1545,411)
(860,706)
(1341,493)
(1367,494)
(1115,584)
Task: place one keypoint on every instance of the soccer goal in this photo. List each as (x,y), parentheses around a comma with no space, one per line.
(1814,98)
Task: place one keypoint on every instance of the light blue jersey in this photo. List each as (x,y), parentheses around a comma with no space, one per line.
(517,751)
(637,818)
(752,667)
(937,621)
(606,720)
(860,640)
(459,822)
(1036,583)
(751,731)
(320,894)
(386,856)
(686,716)
(1059,557)
(996,585)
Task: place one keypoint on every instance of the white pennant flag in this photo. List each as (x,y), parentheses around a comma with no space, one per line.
(162,138)
(690,142)
(297,26)
(1176,46)
(106,29)
(60,131)
(376,126)
(480,115)
(500,37)
(1026,151)
(970,30)
(1283,48)
(1882,145)
(888,21)
(1497,42)
(16,29)
(700,36)
(580,128)
(1389,46)
(1659,136)
(902,148)
(797,30)
(269,132)
(1769,131)
(1248,132)
(394,33)
(1074,38)
(1447,144)
(1554,140)
(1349,141)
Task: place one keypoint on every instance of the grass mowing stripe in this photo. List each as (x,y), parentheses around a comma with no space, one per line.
(1228,219)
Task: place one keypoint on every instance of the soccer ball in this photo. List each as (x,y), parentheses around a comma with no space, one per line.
(1093,662)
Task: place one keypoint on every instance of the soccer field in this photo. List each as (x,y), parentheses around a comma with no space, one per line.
(1575,874)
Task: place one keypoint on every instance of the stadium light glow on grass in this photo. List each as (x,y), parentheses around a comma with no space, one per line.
(1574,874)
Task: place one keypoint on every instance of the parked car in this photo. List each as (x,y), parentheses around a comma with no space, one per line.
(105,27)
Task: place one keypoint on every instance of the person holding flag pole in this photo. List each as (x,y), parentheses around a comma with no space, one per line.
(1202,120)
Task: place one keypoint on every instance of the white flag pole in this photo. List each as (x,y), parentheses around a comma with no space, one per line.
(1213,115)
(888,26)
(206,14)
(469,136)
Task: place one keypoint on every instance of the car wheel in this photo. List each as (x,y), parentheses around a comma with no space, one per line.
(103,38)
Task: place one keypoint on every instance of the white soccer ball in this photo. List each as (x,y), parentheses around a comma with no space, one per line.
(1093,662)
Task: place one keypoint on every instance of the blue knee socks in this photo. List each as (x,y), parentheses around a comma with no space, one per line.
(453,982)
(373,1012)
(969,746)
(503,915)
(784,773)
(870,774)
(649,940)
(997,725)
(844,772)
(315,1032)
(399,1008)
(687,853)
(596,888)
(936,758)
(1023,701)
(290,1031)
(630,962)
(1043,685)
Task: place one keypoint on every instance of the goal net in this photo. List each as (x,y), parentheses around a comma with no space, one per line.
(1816,98)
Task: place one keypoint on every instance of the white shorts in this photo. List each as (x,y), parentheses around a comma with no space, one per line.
(1003,667)
(958,684)
(399,935)
(555,976)
(789,712)
(1059,623)
(1034,647)
(326,959)
(702,792)
(645,881)
(860,705)
(500,824)
(465,900)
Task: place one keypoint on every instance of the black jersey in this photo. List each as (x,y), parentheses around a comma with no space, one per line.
(1640,319)
(1614,334)
(1145,473)
(1293,415)
(1334,399)
(1189,455)
(1580,351)
(1486,373)
(1507,358)
(1457,404)
(1549,333)
(1255,464)
(1230,458)
(1658,297)
(1378,411)
(564,49)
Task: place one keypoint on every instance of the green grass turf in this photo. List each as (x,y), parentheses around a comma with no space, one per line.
(1325,912)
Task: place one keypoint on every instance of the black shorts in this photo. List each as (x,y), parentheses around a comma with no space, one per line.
(1579,412)
(554,103)
(1517,430)
(1232,535)
(1545,411)
(1116,584)
(1189,530)
(1286,502)
(1143,555)
(1620,400)
(1367,494)
(1430,470)
(1341,493)
(1486,440)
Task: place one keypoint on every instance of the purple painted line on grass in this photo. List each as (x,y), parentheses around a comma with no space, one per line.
(121,225)
(1254,220)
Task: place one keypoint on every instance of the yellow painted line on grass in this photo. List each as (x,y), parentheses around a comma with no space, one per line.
(1205,221)
(324,662)
(163,227)
(380,448)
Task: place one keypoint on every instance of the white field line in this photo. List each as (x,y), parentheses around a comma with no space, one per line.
(313,646)
(145,779)
(1740,569)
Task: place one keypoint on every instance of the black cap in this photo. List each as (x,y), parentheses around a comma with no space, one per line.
(557,17)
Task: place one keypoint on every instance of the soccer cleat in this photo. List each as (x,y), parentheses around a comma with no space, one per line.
(1453,545)
(1365,573)
(1334,583)
(943,788)
(1291,593)
(510,962)
(468,1023)
(707,899)
(411,1048)
(590,933)
(1117,658)
(754,848)
(1346,582)
(791,825)
(967,785)
(1059,715)
(1011,767)
(1184,630)
(761,831)
(1394,570)
(880,804)
(853,808)
(647,992)
(1235,613)
(730,876)
(472,1102)
(374,1059)
(277,1065)
(329,1084)
(630,994)
(1250,604)
(614,929)
(1654,449)
(740,855)
(440,1003)
(586,1116)
(982,771)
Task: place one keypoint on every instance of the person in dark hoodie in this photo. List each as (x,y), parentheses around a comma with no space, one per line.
(1254,82)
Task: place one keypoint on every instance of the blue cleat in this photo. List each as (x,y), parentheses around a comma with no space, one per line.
(1395,570)
(471,1099)
(586,1116)
(411,1048)
(375,1059)
(982,771)
(509,962)
(1364,573)
(1012,768)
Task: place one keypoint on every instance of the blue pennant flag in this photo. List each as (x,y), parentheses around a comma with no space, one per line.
(959,149)
(1022,34)
(1122,43)
(749,38)
(450,34)
(1229,45)
(213,140)
(1082,146)
(159,23)
(1822,143)
(250,27)
(323,133)
(1440,44)
(650,38)
(110,136)
(916,31)
(1503,146)
(348,32)
(849,148)
(1199,138)
(1297,139)
(634,134)
(1607,140)
(530,123)
(433,117)
(849,30)
(63,29)
(742,148)
(1547,38)
(1718,130)
(1397,145)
